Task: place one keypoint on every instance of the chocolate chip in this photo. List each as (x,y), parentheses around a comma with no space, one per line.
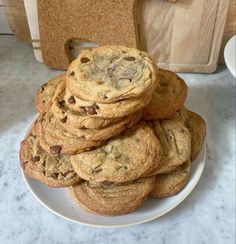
(129,58)
(72,73)
(99,82)
(43,87)
(55,175)
(164,84)
(24,164)
(55,150)
(105,97)
(107,183)
(44,163)
(35,158)
(90,110)
(96,171)
(84,60)
(63,120)
(71,100)
(61,103)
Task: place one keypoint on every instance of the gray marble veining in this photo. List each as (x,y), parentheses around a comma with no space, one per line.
(206,216)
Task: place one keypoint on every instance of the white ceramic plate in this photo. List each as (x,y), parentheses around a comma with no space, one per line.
(60,202)
(230,55)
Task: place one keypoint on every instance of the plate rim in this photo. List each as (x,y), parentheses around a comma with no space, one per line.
(26,180)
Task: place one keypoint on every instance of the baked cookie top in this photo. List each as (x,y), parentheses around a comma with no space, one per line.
(56,140)
(111,73)
(117,109)
(45,94)
(169,96)
(171,183)
(123,158)
(109,198)
(74,118)
(197,127)
(176,144)
(54,171)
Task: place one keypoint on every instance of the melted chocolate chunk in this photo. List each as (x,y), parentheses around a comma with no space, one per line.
(55,175)
(56,149)
(35,158)
(63,120)
(84,60)
(89,110)
(129,58)
(71,100)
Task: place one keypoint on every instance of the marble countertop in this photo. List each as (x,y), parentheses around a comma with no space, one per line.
(206,216)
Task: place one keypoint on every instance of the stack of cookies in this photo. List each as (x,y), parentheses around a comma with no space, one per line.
(114,128)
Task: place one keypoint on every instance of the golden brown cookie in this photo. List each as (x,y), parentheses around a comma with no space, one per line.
(123,158)
(54,171)
(197,127)
(111,73)
(106,132)
(168,184)
(45,94)
(181,114)
(176,144)
(56,140)
(74,118)
(117,109)
(108,198)
(168,96)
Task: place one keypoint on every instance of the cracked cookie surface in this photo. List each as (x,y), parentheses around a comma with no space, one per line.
(111,73)
(45,94)
(113,199)
(54,171)
(103,110)
(169,96)
(197,127)
(169,184)
(74,118)
(56,140)
(176,144)
(123,158)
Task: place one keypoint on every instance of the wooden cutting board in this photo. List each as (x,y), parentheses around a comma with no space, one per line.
(185,36)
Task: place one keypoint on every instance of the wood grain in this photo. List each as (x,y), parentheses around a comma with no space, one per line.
(230,28)
(185,36)
(16,16)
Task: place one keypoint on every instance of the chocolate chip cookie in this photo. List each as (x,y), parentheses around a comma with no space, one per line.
(111,73)
(46,92)
(56,140)
(74,118)
(104,110)
(108,198)
(123,158)
(197,127)
(169,184)
(106,132)
(176,144)
(168,96)
(181,114)
(54,171)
